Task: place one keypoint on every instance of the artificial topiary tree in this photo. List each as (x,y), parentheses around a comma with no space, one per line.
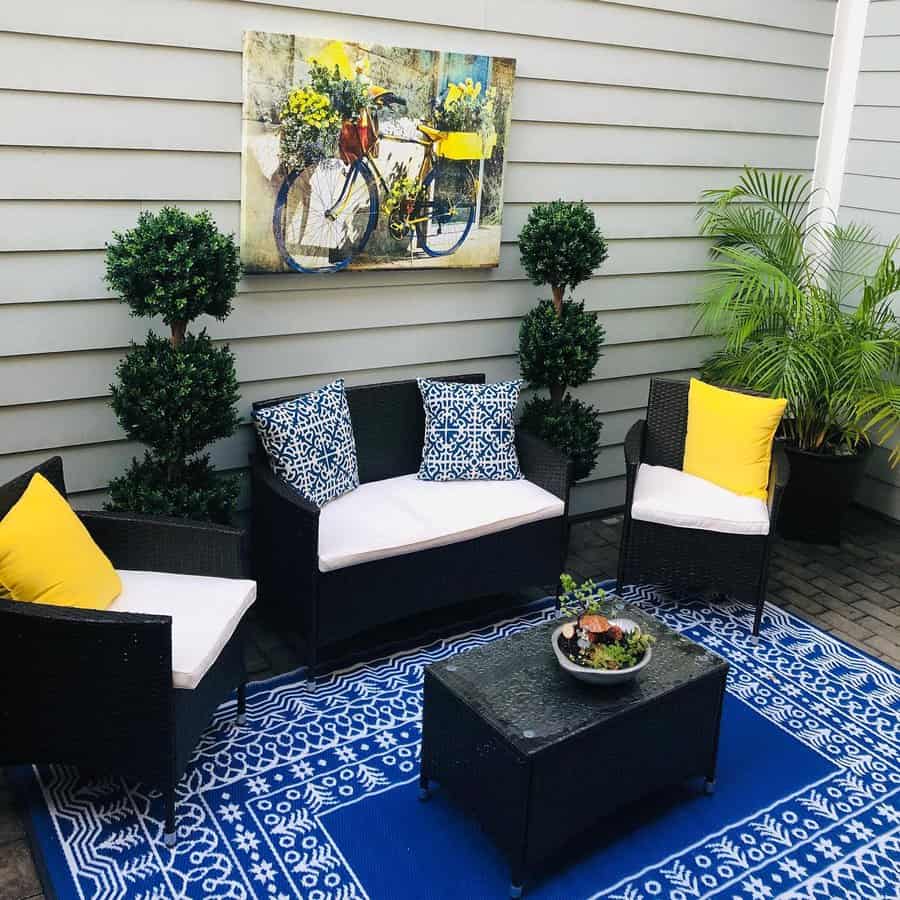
(559,341)
(178,393)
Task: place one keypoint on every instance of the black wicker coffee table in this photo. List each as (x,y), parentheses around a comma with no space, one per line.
(510,736)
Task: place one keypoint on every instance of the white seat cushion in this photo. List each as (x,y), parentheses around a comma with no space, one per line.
(672,497)
(403,515)
(205,614)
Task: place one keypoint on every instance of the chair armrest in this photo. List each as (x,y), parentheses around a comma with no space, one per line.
(544,464)
(74,680)
(634,443)
(285,535)
(779,474)
(634,454)
(160,544)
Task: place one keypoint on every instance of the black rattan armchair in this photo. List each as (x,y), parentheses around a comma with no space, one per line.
(94,688)
(327,608)
(688,559)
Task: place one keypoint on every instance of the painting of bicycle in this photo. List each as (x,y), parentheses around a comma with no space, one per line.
(365,156)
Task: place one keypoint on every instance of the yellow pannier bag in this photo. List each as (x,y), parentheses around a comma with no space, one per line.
(466,145)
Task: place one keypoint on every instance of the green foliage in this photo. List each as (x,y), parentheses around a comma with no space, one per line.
(623,654)
(466,108)
(578,599)
(174,265)
(805,310)
(403,188)
(308,128)
(560,245)
(559,350)
(572,426)
(175,395)
(347,95)
(559,342)
(176,399)
(188,489)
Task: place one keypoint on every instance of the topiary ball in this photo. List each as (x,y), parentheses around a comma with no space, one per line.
(174,265)
(176,399)
(572,427)
(560,244)
(559,350)
(188,489)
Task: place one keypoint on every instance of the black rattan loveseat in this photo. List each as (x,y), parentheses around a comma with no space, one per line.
(95,689)
(329,607)
(690,559)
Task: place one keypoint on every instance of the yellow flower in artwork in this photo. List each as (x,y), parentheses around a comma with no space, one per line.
(334,54)
(469,88)
(453,95)
(310,107)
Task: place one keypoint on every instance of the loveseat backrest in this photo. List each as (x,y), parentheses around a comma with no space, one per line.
(388,425)
(667,408)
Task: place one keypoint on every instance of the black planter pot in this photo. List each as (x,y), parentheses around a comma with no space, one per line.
(818,493)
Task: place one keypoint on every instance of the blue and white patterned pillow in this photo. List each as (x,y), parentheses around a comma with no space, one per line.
(309,442)
(469,431)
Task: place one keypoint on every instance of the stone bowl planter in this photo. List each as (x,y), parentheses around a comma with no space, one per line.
(599,676)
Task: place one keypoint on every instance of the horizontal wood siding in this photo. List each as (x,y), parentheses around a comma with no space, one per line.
(634,107)
(871,191)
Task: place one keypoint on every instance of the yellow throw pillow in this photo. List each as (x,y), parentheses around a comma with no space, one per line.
(729,438)
(47,555)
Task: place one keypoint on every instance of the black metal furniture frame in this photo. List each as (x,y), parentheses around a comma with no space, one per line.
(507,735)
(94,688)
(688,559)
(329,607)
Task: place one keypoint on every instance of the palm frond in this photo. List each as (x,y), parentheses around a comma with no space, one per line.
(805,307)
(851,255)
(880,411)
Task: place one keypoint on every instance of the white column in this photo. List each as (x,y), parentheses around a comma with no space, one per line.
(840,95)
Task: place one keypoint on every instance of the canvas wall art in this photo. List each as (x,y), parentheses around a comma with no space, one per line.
(365,156)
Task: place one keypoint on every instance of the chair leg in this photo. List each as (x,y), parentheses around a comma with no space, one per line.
(242,704)
(169,834)
(757,614)
(623,550)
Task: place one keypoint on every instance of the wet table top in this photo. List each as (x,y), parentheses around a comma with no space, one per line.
(518,687)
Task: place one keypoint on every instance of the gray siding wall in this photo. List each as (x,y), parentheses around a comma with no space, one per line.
(108,107)
(871,191)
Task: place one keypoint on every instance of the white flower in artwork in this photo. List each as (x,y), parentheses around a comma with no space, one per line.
(258,785)
(263,871)
(247,841)
(230,812)
(302,769)
(828,848)
(345,754)
(792,868)
(385,740)
(858,830)
(892,814)
(757,890)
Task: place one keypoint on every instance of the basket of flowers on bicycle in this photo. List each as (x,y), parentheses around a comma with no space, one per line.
(463,122)
(329,116)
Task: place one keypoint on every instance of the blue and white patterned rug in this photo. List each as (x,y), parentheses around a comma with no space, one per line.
(316,797)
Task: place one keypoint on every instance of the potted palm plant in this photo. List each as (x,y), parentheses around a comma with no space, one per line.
(804,307)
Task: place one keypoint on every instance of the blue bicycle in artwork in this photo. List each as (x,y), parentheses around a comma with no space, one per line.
(327,210)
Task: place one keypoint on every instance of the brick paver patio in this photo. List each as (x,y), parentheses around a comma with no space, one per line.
(852,591)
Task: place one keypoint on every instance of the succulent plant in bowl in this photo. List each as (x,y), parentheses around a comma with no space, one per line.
(596,647)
